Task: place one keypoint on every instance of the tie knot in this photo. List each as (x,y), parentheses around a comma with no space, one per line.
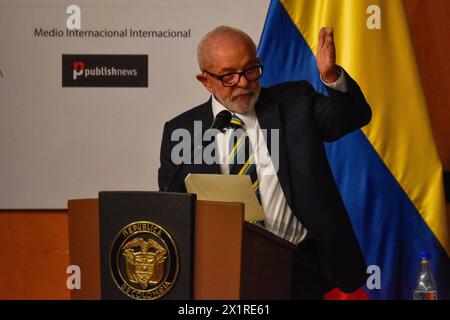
(237,122)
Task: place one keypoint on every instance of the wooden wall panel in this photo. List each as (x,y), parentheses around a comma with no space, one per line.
(34,254)
(430,28)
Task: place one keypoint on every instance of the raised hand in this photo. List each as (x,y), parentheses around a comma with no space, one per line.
(326,55)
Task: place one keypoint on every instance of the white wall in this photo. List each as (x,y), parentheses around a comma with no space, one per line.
(64,143)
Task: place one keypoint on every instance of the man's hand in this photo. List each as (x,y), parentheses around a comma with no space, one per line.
(326,56)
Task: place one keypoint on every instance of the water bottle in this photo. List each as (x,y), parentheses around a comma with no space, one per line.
(426,288)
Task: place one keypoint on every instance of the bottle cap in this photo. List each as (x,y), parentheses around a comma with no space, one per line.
(424,255)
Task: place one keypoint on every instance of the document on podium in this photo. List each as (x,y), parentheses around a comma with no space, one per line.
(226,188)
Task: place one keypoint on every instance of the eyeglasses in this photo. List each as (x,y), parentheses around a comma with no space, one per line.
(231,79)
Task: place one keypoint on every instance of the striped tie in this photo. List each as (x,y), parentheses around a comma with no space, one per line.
(241,157)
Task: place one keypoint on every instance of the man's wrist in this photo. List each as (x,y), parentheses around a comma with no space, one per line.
(332,76)
(340,84)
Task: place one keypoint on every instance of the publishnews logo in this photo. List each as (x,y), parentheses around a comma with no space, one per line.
(102,70)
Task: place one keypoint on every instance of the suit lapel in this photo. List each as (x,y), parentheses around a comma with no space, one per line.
(206,116)
(269,118)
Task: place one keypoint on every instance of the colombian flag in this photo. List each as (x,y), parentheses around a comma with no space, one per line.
(388,173)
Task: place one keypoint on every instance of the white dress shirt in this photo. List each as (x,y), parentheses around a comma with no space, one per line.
(278,216)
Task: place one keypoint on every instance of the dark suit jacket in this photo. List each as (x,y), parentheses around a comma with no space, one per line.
(305,119)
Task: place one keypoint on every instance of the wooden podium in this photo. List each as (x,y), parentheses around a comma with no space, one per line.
(233,259)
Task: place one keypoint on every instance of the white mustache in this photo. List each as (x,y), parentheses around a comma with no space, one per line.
(241,92)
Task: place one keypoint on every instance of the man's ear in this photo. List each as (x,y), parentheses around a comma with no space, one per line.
(205,81)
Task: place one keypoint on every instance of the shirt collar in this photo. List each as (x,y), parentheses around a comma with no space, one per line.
(248,118)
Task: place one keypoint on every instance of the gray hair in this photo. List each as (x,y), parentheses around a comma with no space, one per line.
(202,48)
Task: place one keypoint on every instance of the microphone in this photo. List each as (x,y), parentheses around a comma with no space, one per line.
(221,120)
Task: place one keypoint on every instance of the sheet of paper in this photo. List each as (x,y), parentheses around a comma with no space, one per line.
(226,188)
